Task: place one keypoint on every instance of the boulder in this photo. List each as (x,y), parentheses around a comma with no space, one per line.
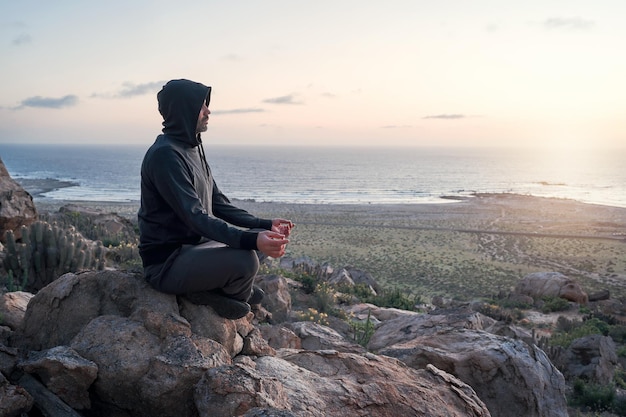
(405,328)
(148,359)
(551,284)
(279,336)
(350,276)
(375,313)
(58,312)
(16,205)
(65,373)
(9,358)
(14,400)
(13,308)
(510,376)
(205,323)
(277,297)
(159,355)
(315,336)
(329,383)
(592,358)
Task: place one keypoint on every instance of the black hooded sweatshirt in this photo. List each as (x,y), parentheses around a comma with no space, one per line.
(180,202)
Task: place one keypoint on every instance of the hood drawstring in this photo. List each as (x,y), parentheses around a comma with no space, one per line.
(203,157)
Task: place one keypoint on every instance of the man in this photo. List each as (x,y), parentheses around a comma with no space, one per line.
(193,240)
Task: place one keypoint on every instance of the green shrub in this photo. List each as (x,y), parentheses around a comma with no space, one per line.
(361,291)
(621,352)
(618,333)
(395,298)
(619,406)
(578,330)
(593,396)
(510,303)
(552,304)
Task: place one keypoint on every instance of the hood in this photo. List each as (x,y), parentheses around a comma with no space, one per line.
(180,102)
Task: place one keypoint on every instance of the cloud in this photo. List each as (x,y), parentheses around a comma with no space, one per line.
(49,102)
(129,90)
(445,116)
(238,111)
(289,99)
(21,39)
(132,90)
(572,23)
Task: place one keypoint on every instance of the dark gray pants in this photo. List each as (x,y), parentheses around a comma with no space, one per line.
(206,266)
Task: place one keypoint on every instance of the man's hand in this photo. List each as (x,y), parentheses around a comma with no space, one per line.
(271,243)
(282,226)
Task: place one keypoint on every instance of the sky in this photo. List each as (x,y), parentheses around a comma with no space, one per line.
(481,73)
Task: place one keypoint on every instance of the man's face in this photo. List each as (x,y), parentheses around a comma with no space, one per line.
(203,119)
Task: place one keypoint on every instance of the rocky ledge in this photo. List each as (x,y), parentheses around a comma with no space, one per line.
(106,344)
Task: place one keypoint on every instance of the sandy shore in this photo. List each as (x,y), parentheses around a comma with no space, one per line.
(461,248)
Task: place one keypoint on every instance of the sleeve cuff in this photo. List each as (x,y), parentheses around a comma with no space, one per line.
(265,224)
(248,240)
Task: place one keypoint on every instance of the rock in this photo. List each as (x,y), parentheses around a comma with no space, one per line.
(268,412)
(349,276)
(147,356)
(14,400)
(512,332)
(510,376)
(611,307)
(277,297)
(47,403)
(142,372)
(551,284)
(341,277)
(65,373)
(205,323)
(592,358)
(406,328)
(255,345)
(328,383)
(58,312)
(601,295)
(159,355)
(377,314)
(13,308)
(314,336)
(9,357)
(280,337)
(16,205)
(5,334)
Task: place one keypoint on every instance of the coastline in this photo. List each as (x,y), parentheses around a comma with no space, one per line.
(468,248)
(498,212)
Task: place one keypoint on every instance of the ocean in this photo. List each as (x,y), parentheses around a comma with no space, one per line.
(332,175)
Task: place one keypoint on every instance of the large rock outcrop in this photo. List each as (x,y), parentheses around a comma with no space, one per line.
(551,284)
(16,205)
(512,377)
(158,355)
(591,358)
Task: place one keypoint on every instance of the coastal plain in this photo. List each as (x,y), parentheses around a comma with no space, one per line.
(461,248)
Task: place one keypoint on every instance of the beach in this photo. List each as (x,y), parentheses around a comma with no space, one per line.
(461,247)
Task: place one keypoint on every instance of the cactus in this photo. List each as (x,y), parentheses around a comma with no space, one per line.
(47,252)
